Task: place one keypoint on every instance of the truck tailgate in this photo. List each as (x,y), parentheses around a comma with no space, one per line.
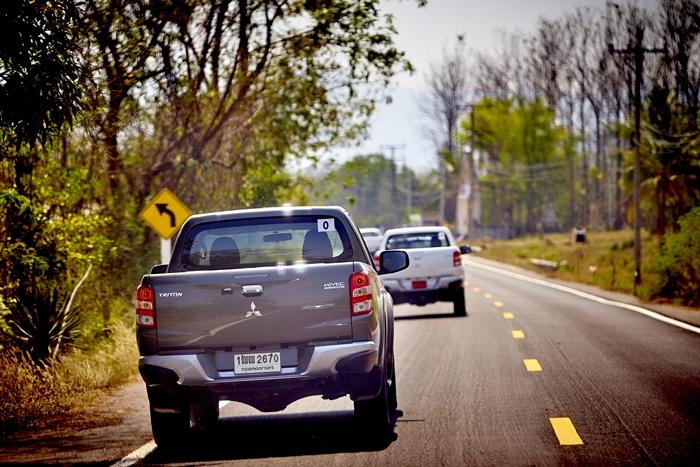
(427,262)
(249,307)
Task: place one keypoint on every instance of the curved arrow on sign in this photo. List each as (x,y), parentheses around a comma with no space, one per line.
(163,209)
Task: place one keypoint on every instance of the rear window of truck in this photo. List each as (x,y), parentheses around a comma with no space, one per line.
(277,241)
(408,241)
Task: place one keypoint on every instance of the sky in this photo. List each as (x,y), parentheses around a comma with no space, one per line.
(423,33)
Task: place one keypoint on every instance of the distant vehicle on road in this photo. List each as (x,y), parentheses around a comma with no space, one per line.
(435,272)
(264,307)
(373,238)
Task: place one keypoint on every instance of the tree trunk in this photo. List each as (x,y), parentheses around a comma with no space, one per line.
(110,131)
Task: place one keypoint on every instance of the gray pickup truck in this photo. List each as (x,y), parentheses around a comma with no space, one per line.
(266,306)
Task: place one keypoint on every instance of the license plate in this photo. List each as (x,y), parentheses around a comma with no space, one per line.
(258,362)
(419,284)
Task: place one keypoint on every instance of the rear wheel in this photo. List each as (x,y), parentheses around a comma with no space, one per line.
(393,401)
(458,302)
(375,413)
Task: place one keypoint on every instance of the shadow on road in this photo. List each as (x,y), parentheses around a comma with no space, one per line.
(276,436)
(426,316)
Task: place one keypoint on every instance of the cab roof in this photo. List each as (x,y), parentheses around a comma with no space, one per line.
(282,211)
(422,229)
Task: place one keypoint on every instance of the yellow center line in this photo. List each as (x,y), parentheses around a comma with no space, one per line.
(518,334)
(488,295)
(498,304)
(508,315)
(565,431)
(531,364)
(476,289)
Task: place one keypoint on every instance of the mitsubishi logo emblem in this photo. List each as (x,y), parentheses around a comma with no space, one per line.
(253,311)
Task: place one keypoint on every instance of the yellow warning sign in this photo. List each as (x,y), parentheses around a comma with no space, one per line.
(165,213)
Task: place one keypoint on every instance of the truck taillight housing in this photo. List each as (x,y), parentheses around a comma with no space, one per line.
(360,294)
(456,258)
(145,307)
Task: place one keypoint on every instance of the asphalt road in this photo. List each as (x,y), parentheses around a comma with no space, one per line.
(619,387)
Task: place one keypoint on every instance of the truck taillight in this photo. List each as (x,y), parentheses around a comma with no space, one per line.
(456,258)
(145,307)
(360,294)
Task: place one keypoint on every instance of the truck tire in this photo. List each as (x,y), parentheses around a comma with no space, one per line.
(458,302)
(393,401)
(375,413)
(170,429)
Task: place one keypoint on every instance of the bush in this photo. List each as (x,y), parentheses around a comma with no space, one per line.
(29,392)
(679,261)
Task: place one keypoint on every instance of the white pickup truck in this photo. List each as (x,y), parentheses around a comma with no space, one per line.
(435,272)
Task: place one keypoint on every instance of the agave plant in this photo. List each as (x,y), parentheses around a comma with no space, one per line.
(41,320)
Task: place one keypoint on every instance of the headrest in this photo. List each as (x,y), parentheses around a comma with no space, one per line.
(316,246)
(224,252)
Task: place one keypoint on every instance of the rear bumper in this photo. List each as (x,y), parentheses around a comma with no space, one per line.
(195,370)
(440,290)
(332,371)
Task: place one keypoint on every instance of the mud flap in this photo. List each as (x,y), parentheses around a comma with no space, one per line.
(367,386)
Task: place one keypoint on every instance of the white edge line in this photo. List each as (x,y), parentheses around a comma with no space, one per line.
(137,455)
(595,298)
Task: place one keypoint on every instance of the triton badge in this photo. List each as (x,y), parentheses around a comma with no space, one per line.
(253,311)
(170,294)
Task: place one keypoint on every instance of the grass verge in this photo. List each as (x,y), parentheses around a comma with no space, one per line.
(606,260)
(28,393)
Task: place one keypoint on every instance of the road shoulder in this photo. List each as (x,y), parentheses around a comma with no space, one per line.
(103,432)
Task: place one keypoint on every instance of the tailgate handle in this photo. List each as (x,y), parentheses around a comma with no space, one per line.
(251,290)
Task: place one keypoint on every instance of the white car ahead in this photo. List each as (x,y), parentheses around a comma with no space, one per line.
(435,272)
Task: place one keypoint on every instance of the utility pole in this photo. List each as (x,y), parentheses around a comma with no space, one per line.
(637,52)
(409,194)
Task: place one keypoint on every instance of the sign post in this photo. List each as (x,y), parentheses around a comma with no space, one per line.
(165,250)
(165,213)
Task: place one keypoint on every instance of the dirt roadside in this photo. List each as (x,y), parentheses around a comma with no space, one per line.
(102,433)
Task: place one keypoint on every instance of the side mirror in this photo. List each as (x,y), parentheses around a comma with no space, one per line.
(159,269)
(392,261)
(465,249)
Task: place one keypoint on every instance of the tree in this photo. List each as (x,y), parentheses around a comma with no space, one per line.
(671,171)
(443,106)
(526,160)
(680,27)
(359,184)
(39,97)
(39,88)
(218,68)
